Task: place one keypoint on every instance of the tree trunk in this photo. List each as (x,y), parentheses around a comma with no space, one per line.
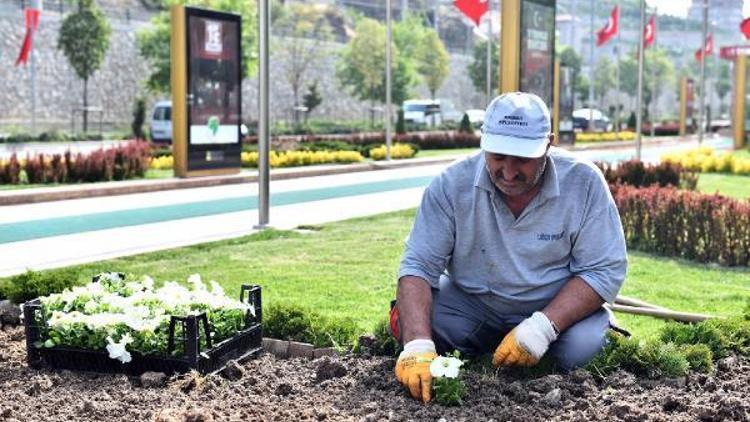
(85,105)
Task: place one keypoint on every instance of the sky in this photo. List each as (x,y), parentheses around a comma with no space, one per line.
(680,7)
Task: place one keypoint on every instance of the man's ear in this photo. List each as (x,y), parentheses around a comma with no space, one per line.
(551,141)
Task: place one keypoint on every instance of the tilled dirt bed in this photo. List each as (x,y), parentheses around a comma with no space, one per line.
(357,388)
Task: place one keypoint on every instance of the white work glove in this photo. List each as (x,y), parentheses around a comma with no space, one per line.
(526,343)
(413,367)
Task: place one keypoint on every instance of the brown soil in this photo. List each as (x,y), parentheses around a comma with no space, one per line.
(360,389)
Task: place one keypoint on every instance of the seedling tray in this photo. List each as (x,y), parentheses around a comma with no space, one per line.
(188,330)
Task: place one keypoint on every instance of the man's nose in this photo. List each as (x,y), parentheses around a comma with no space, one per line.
(509,170)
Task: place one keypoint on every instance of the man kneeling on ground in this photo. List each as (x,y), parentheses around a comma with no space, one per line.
(513,250)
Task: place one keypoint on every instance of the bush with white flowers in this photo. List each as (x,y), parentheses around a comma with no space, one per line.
(123,317)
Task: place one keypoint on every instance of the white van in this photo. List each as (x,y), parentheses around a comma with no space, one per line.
(429,112)
(161,122)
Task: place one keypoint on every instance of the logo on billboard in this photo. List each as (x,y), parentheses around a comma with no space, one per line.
(213,37)
(213,124)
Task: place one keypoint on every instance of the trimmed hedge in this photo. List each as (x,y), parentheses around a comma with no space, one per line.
(422,140)
(636,173)
(398,151)
(690,225)
(289,322)
(118,163)
(705,160)
(32,284)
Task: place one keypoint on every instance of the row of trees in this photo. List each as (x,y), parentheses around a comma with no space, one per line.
(658,72)
(417,51)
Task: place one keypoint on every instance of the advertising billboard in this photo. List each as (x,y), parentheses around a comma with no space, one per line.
(206,89)
(537,48)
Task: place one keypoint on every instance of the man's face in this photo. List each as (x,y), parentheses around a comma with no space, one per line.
(512,175)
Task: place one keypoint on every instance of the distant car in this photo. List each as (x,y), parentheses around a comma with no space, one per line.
(161,123)
(581,120)
(431,112)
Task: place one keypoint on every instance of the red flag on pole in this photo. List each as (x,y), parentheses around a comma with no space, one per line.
(745,28)
(473,9)
(31,15)
(610,29)
(649,32)
(709,48)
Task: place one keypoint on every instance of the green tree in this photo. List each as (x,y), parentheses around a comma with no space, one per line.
(723,84)
(433,61)
(361,67)
(569,58)
(478,67)
(658,72)
(312,99)
(604,77)
(139,116)
(154,41)
(84,39)
(304,30)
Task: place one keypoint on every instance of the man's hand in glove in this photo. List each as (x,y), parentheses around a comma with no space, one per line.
(413,368)
(526,343)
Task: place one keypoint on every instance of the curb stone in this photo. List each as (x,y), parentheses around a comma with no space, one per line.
(284,349)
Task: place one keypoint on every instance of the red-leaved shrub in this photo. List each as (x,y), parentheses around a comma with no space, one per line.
(638,174)
(120,163)
(690,225)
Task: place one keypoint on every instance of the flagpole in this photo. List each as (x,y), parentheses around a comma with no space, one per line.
(639,112)
(617,76)
(488,93)
(703,73)
(653,80)
(592,10)
(32,69)
(389,33)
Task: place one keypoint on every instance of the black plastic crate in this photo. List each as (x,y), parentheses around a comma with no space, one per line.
(244,344)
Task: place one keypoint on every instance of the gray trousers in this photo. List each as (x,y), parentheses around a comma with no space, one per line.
(465,322)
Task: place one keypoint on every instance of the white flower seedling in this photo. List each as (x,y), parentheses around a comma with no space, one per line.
(449,388)
(444,366)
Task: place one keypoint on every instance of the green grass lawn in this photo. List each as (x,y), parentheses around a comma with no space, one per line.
(349,269)
(726,184)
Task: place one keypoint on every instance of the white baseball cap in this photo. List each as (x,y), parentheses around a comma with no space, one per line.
(517,124)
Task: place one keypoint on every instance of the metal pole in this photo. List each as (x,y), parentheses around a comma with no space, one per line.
(573,25)
(617,76)
(264,141)
(389,35)
(638,111)
(404,9)
(592,11)
(33,92)
(653,81)
(703,73)
(488,92)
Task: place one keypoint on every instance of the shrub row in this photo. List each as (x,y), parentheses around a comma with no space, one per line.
(705,160)
(605,136)
(422,140)
(679,348)
(302,158)
(638,174)
(119,163)
(398,151)
(32,284)
(288,322)
(50,136)
(690,225)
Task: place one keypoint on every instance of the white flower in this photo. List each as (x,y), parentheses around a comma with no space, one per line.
(117,350)
(445,367)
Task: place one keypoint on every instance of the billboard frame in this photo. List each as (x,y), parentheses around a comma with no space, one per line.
(200,159)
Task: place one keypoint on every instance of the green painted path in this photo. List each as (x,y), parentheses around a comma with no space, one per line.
(35,229)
